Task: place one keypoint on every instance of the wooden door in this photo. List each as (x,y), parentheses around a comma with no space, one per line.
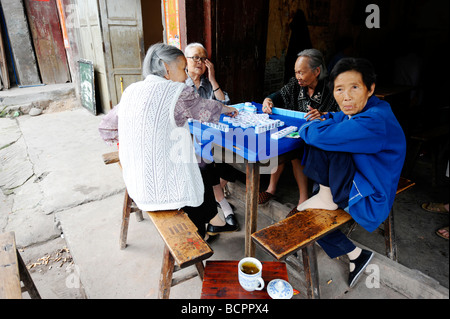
(240,47)
(123,44)
(3,64)
(92,48)
(48,41)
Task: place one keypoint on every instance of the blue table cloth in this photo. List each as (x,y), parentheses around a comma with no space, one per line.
(245,142)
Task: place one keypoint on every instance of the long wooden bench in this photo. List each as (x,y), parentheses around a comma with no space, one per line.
(301,232)
(183,245)
(13,271)
(128,205)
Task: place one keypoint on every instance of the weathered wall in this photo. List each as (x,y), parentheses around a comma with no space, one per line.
(327,20)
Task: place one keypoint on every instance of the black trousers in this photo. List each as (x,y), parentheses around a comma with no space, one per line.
(335,170)
(206,211)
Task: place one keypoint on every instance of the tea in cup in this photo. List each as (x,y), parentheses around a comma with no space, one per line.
(250,271)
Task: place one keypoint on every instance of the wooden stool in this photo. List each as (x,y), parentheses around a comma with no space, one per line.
(300,232)
(183,245)
(128,205)
(388,231)
(13,271)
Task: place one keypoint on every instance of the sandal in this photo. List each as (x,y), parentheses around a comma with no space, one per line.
(435,208)
(264,198)
(439,232)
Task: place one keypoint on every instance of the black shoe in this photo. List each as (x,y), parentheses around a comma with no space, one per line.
(227,228)
(360,264)
(232,221)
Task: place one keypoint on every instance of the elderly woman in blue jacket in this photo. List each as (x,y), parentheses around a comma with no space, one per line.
(356,156)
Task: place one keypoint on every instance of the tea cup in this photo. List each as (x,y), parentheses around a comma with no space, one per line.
(252,280)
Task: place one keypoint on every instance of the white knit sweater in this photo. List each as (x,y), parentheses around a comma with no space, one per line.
(157,157)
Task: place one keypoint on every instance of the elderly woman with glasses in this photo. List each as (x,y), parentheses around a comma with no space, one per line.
(202,78)
(203,82)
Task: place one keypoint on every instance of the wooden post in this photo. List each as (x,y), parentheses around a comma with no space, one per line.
(251,206)
(389,237)
(311,271)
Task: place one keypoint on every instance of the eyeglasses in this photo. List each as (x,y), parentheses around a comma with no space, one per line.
(196,58)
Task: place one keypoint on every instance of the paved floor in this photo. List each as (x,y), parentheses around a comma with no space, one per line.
(58,196)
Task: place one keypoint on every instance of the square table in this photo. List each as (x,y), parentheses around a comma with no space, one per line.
(221,280)
(250,153)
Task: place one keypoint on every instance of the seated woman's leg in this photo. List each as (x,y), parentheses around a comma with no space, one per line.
(207,211)
(334,171)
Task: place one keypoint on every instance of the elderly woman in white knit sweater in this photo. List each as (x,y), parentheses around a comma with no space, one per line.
(156,151)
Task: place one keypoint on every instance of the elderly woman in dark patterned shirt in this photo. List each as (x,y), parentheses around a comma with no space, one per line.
(306,92)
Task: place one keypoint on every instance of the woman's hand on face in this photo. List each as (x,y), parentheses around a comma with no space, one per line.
(313,114)
(211,71)
(267,106)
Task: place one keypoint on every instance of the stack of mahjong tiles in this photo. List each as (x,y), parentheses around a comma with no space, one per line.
(218,126)
(248,117)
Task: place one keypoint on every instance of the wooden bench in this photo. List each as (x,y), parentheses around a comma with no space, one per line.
(183,245)
(128,205)
(13,271)
(301,231)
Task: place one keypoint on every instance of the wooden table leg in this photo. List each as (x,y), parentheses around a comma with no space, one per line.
(251,206)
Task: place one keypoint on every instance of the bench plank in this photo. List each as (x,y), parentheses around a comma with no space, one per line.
(9,270)
(404,184)
(293,233)
(111,158)
(181,237)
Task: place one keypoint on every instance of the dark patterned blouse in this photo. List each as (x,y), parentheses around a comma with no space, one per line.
(294,97)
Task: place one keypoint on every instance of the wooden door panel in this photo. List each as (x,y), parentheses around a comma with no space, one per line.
(48,41)
(241,37)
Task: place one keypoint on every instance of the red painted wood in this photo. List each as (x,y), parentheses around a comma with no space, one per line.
(221,280)
(48,41)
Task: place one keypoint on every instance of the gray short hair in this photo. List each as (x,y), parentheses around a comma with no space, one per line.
(316,60)
(194,45)
(156,55)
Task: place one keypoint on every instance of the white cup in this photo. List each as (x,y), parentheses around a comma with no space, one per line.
(254,281)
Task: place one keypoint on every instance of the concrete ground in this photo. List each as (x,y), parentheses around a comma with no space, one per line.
(64,206)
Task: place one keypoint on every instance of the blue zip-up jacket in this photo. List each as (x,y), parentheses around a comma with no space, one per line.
(378,146)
